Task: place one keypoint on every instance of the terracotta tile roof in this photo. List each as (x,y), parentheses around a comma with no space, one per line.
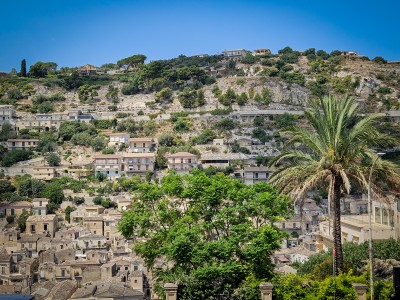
(182,154)
(139,155)
(143,139)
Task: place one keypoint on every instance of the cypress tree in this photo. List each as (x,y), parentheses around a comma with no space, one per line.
(23,68)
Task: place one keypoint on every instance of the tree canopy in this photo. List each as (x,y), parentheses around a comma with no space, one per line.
(131,61)
(207,233)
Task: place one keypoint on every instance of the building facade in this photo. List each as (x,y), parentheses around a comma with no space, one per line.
(138,163)
(182,161)
(108,164)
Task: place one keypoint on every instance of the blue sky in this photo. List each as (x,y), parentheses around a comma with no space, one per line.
(76,32)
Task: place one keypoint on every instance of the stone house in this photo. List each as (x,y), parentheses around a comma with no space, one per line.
(37,125)
(253,175)
(79,170)
(108,164)
(182,161)
(138,163)
(46,271)
(21,144)
(235,54)
(15,269)
(110,223)
(141,145)
(29,243)
(94,225)
(8,239)
(46,173)
(355,228)
(222,160)
(97,255)
(262,51)
(15,208)
(85,211)
(44,243)
(7,113)
(40,206)
(118,139)
(90,242)
(42,225)
(296,224)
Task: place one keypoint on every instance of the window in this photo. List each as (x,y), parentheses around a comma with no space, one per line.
(10,237)
(33,228)
(256,175)
(144,145)
(62,272)
(126,268)
(3,270)
(12,211)
(294,225)
(135,268)
(45,227)
(61,247)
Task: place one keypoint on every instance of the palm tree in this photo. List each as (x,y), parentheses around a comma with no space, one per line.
(335,151)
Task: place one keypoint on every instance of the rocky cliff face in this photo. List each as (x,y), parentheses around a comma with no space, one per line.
(291,94)
(368,86)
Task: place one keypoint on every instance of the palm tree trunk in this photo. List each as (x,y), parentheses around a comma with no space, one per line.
(337,231)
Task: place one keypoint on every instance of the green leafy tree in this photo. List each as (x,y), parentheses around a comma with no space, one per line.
(164,95)
(285,120)
(21,221)
(259,121)
(379,60)
(98,143)
(242,99)
(86,93)
(54,192)
(7,132)
(68,211)
(336,153)
(46,143)
(112,94)
(225,124)
(23,68)
(213,232)
(166,139)
(322,54)
(53,159)
(191,98)
(6,186)
(31,187)
(12,157)
(41,69)
(133,62)
(81,138)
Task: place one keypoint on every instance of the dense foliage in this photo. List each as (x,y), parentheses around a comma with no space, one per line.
(206,233)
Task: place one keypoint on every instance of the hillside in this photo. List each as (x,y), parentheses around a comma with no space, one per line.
(189,101)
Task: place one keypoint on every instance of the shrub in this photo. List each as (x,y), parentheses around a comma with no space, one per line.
(10,219)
